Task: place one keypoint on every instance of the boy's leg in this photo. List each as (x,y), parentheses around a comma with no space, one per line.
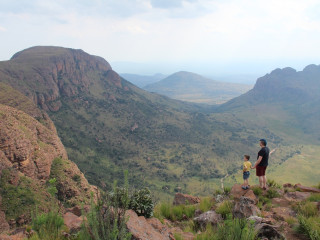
(261,181)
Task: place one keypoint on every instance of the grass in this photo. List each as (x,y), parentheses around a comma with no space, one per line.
(225,208)
(174,213)
(291,221)
(315,197)
(257,191)
(206,203)
(309,226)
(307,209)
(272,193)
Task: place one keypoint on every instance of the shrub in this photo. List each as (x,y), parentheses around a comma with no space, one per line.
(272,193)
(208,234)
(217,192)
(52,186)
(291,221)
(264,200)
(308,209)
(309,226)
(257,191)
(76,178)
(106,219)
(236,228)
(227,190)
(205,204)
(272,183)
(314,197)
(225,208)
(141,202)
(174,213)
(48,225)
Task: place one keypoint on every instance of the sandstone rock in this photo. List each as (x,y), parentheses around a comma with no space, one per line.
(72,221)
(184,235)
(143,229)
(245,208)
(237,192)
(4,225)
(17,236)
(296,196)
(282,213)
(180,198)
(268,231)
(208,217)
(307,189)
(281,202)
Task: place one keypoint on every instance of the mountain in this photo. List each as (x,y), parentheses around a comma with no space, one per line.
(32,155)
(142,80)
(286,99)
(108,125)
(192,87)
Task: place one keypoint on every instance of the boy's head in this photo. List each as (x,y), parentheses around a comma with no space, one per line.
(246,157)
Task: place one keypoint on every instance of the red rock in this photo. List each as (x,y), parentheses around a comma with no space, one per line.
(180,198)
(280,202)
(72,221)
(245,208)
(18,236)
(143,229)
(184,235)
(282,213)
(296,196)
(306,189)
(287,185)
(237,192)
(4,226)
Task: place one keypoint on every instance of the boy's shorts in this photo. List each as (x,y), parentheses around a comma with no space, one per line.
(246,175)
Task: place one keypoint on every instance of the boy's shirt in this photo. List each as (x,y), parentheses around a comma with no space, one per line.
(247,166)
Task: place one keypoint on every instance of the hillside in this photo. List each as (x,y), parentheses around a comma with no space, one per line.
(108,124)
(192,87)
(34,169)
(285,100)
(142,80)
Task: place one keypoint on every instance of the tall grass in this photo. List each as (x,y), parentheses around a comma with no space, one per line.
(225,208)
(309,226)
(174,213)
(206,203)
(48,226)
(238,229)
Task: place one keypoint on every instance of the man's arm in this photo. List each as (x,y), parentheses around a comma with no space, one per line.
(257,162)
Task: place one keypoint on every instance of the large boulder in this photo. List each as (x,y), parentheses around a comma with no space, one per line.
(72,221)
(208,217)
(237,192)
(306,189)
(143,229)
(180,198)
(245,208)
(282,213)
(266,231)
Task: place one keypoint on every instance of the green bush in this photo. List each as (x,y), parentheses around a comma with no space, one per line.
(307,209)
(227,190)
(206,204)
(272,193)
(106,219)
(225,208)
(236,228)
(315,197)
(52,186)
(48,225)
(257,191)
(208,234)
(174,213)
(273,184)
(309,226)
(264,200)
(141,202)
(76,178)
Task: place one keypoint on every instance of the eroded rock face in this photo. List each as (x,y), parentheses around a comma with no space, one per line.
(27,145)
(143,229)
(72,221)
(210,217)
(4,226)
(237,192)
(268,231)
(180,198)
(306,189)
(245,208)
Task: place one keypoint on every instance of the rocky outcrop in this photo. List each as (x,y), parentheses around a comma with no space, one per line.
(72,221)
(266,231)
(237,192)
(210,217)
(55,72)
(4,226)
(147,229)
(180,198)
(245,208)
(306,189)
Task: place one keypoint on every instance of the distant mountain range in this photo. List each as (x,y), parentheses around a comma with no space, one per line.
(191,87)
(142,80)
(107,124)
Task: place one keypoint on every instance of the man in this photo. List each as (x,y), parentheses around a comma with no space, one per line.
(262,163)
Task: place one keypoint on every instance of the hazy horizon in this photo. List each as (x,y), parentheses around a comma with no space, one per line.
(211,38)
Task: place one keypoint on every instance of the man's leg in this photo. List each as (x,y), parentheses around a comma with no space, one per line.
(264,181)
(261,181)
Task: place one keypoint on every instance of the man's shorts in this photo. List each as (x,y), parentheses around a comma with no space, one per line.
(246,175)
(261,171)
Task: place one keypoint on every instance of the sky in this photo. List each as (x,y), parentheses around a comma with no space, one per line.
(208,37)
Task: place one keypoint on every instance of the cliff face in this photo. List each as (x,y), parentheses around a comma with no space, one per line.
(54,72)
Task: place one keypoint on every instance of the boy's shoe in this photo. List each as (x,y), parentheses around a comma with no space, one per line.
(244,188)
(248,187)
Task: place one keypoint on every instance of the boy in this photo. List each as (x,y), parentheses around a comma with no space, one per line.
(246,172)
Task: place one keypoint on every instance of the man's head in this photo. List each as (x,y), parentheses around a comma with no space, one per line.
(263,142)
(246,157)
